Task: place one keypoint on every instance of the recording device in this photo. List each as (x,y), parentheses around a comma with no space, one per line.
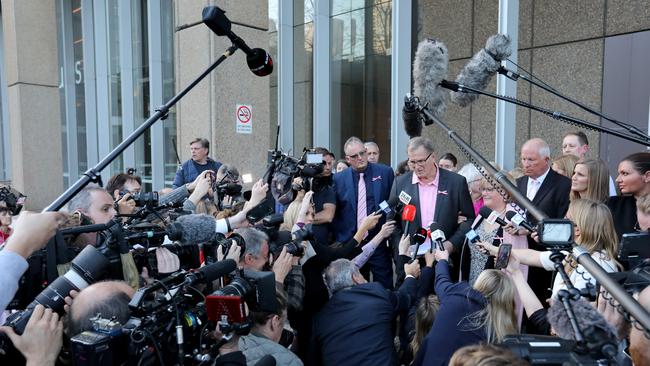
(503,256)
(518,221)
(390,208)
(419,237)
(286,168)
(87,267)
(142,199)
(491,216)
(634,249)
(471,235)
(480,69)
(13,199)
(258,60)
(429,69)
(547,350)
(437,235)
(556,233)
(408,215)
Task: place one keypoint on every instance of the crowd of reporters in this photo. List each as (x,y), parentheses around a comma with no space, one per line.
(358,291)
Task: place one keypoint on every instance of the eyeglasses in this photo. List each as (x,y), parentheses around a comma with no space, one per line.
(359,155)
(419,162)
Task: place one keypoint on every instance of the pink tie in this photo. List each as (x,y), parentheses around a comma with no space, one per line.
(361,201)
(533,189)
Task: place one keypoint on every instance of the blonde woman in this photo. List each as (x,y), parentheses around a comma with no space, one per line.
(590,180)
(468,315)
(593,230)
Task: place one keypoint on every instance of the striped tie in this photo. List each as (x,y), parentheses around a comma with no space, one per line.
(361,201)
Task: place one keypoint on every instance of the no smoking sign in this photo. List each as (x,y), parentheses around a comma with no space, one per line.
(244,118)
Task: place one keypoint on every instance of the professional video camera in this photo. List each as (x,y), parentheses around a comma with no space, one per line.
(308,166)
(171,321)
(547,350)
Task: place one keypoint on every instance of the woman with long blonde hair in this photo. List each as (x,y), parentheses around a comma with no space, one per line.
(590,180)
(593,230)
(468,315)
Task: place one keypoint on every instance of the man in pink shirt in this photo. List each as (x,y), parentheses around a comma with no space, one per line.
(439,196)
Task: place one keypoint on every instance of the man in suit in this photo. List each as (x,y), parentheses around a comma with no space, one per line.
(359,191)
(549,192)
(439,196)
(355,326)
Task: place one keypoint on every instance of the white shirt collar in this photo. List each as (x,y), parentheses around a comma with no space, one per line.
(541,178)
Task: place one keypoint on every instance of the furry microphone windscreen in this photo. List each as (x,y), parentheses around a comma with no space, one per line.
(429,69)
(586,315)
(197,228)
(478,71)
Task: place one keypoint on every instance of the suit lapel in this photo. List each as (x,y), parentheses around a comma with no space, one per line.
(354,191)
(545,187)
(441,199)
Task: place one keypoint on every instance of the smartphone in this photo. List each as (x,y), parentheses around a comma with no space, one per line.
(503,257)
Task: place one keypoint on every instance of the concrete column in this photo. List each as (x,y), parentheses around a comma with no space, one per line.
(31,61)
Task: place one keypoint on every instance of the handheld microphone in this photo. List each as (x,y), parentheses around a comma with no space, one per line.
(478,71)
(471,235)
(388,207)
(491,216)
(408,215)
(419,237)
(518,221)
(437,235)
(258,60)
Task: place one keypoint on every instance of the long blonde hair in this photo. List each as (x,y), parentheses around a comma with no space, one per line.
(598,181)
(499,316)
(425,314)
(596,225)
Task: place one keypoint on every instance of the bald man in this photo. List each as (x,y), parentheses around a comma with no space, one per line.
(549,192)
(108,298)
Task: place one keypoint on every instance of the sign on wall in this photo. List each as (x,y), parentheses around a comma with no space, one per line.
(244,119)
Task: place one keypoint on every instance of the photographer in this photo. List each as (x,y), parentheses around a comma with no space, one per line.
(265,336)
(122,186)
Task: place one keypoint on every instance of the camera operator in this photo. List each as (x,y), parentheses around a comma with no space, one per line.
(31,233)
(5,224)
(285,267)
(265,336)
(96,204)
(122,186)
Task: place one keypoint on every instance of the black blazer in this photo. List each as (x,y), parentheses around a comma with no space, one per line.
(453,197)
(552,197)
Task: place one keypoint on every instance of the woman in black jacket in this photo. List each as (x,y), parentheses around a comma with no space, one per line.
(633,181)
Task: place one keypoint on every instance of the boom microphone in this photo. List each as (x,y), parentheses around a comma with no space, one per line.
(518,221)
(411,117)
(193,229)
(478,71)
(491,216)
(599,335)
(429,69)
(258,60)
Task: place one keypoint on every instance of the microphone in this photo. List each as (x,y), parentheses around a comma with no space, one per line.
(411,117)
(478,71)
(491,216)
(471,235)
(193,229)
(388,207)
(419,237)
(258,60)
(599,335)
(518,221)
(211,272)
(429,69)
(408,215)
(437,235)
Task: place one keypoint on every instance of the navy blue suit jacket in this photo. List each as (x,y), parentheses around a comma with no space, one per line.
(345,220)
(355,326)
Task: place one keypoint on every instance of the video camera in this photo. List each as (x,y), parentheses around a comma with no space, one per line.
(286,168)
(171,320)
(13,199)
(143,199)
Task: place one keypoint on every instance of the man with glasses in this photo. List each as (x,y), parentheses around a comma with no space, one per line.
(359,191)
(439,196)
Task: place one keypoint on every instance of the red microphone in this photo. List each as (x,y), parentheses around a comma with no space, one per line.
(408,215)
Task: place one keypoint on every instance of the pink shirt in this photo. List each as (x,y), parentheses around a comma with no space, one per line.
(428,197)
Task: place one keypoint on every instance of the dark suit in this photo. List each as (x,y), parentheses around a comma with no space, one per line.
(453,197)
(552,198)
(355,326)
(378,179)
